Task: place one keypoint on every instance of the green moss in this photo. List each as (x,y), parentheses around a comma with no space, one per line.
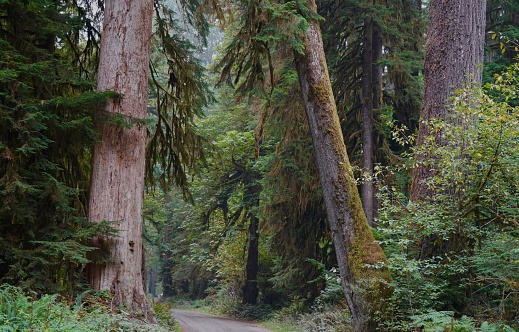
(322,92)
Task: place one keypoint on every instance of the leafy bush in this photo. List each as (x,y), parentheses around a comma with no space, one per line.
(163,313)
(468,230)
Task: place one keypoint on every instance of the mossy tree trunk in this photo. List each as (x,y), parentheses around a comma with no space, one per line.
(117,179)
(366,288)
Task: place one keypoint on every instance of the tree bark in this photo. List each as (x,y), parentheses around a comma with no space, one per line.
(117,179)
(252,191)
(376,86)
(250,290)
(367,188)
(453,57)
(366,288)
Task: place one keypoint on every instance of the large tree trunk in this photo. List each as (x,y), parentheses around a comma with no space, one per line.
(453,57)
(365,287)
(117,181)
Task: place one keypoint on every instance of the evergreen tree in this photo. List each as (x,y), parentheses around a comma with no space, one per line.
(453,57)
(502,38)
(46,131)
(117,180)
(365,287)
(374,51)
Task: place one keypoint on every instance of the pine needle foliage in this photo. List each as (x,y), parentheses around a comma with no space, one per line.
(402,28)
(46,131)
(247,59)
(179,93)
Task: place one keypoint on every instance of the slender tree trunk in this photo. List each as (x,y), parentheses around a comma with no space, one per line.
(117,180)
(376,69)
(365,287)
(166,264)
(367,188)
(251,290)
(152,281)
(453,57)
(376,78)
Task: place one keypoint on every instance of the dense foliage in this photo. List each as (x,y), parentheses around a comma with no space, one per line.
(22,312)
(472,218)
(234,214)
(47,118)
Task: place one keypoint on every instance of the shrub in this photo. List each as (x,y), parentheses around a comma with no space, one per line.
(21,312)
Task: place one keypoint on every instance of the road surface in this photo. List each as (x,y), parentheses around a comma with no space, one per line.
(191,321)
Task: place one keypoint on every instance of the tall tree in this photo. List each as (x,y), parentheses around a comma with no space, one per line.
(366,287)
(367,189)
(117,178)
(371,102)
(396,29)
(453,57)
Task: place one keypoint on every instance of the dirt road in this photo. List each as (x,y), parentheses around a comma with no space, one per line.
(191,321)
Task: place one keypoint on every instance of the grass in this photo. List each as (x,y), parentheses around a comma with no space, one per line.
(277,325)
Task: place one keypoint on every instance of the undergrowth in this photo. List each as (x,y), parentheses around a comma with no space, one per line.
(22,312)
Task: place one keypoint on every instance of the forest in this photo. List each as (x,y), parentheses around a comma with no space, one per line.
(314,165)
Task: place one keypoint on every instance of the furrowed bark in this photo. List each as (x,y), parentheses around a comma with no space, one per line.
(117,179)
(453,57)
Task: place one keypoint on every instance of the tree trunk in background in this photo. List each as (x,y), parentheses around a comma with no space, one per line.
(251,291)
(152,281)
(367,188)
(453,50)
(376,70)
(166,263)
(117,180)
(252,191)
(376,78)
(365,287)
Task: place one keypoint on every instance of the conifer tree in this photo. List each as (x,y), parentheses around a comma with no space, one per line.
(453,57)
(117,179)
(362,38)
(366,288)
(46,132)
